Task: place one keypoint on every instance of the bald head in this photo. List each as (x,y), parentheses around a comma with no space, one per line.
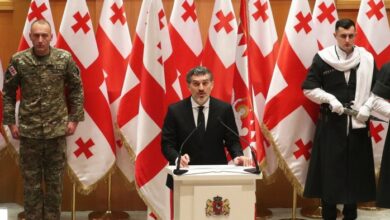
(40,36)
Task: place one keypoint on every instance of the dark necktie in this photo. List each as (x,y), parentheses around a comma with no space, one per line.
(201,122)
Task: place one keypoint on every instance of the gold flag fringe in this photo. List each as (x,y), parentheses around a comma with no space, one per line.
(146,201)
(281,162)
(125,143)
(4,151)
(83,189)
(3,133)
(8,149)
(128,184)
(13,153)
(267,179)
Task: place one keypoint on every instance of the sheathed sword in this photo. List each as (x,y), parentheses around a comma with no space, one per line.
(354,113)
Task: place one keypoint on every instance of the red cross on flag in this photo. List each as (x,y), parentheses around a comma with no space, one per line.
(378,132)
(114,44)
(217,56)
(371,18)
(186,39)
(3,134)
(324,20)
(286,107)
(157,89)
(91,150)
(263,49)
(242,87)
(39,9)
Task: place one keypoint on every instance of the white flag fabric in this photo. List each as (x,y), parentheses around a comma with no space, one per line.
(91,150)
(324,20)
(39,9)
(263,49)
(158,88)
(371,18)
(282,114)
(114,43)
(186,40)
(219,59)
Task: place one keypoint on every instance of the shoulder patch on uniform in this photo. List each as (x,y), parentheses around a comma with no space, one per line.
(12,70)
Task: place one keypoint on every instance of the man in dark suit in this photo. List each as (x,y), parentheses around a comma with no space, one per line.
(206,145)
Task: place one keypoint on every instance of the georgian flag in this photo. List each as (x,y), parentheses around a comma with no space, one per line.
(283,114)
(371,18)
(218,56)
(114,44)
(324,20)
(158,87)
(186,40)
(39,9)
(242,96)
(91,150)
(127,115)
(263,50)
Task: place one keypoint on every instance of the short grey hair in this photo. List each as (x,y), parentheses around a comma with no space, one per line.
(198,71)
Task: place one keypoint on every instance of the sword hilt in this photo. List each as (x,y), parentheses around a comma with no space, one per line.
(352,112)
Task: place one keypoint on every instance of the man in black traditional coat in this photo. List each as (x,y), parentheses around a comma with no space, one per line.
(381,93)
(341,170)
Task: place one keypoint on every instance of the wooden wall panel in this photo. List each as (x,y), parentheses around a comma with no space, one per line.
(124,197)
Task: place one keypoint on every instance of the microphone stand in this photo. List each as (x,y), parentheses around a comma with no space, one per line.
(254,170)
(178,171)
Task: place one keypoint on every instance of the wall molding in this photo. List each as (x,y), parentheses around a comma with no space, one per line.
(354,4)
(6,5)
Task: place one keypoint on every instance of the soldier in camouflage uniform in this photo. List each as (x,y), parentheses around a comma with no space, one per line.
(50,108)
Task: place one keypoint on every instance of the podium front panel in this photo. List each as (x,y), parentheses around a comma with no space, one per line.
(215,195)
(231,206)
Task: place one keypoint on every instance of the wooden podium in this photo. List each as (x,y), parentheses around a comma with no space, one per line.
(214,192)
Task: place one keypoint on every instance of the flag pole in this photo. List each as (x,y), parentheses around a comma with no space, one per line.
(74,201)
(294,207)
(109,214)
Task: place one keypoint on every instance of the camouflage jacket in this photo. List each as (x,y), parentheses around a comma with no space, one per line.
(51,93)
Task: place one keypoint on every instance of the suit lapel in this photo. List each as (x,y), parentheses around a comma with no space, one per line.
(212,114)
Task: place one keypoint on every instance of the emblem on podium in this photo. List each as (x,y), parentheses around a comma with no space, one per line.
(217,206)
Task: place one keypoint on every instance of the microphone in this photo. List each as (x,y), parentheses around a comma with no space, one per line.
(178,171)
(256,169)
